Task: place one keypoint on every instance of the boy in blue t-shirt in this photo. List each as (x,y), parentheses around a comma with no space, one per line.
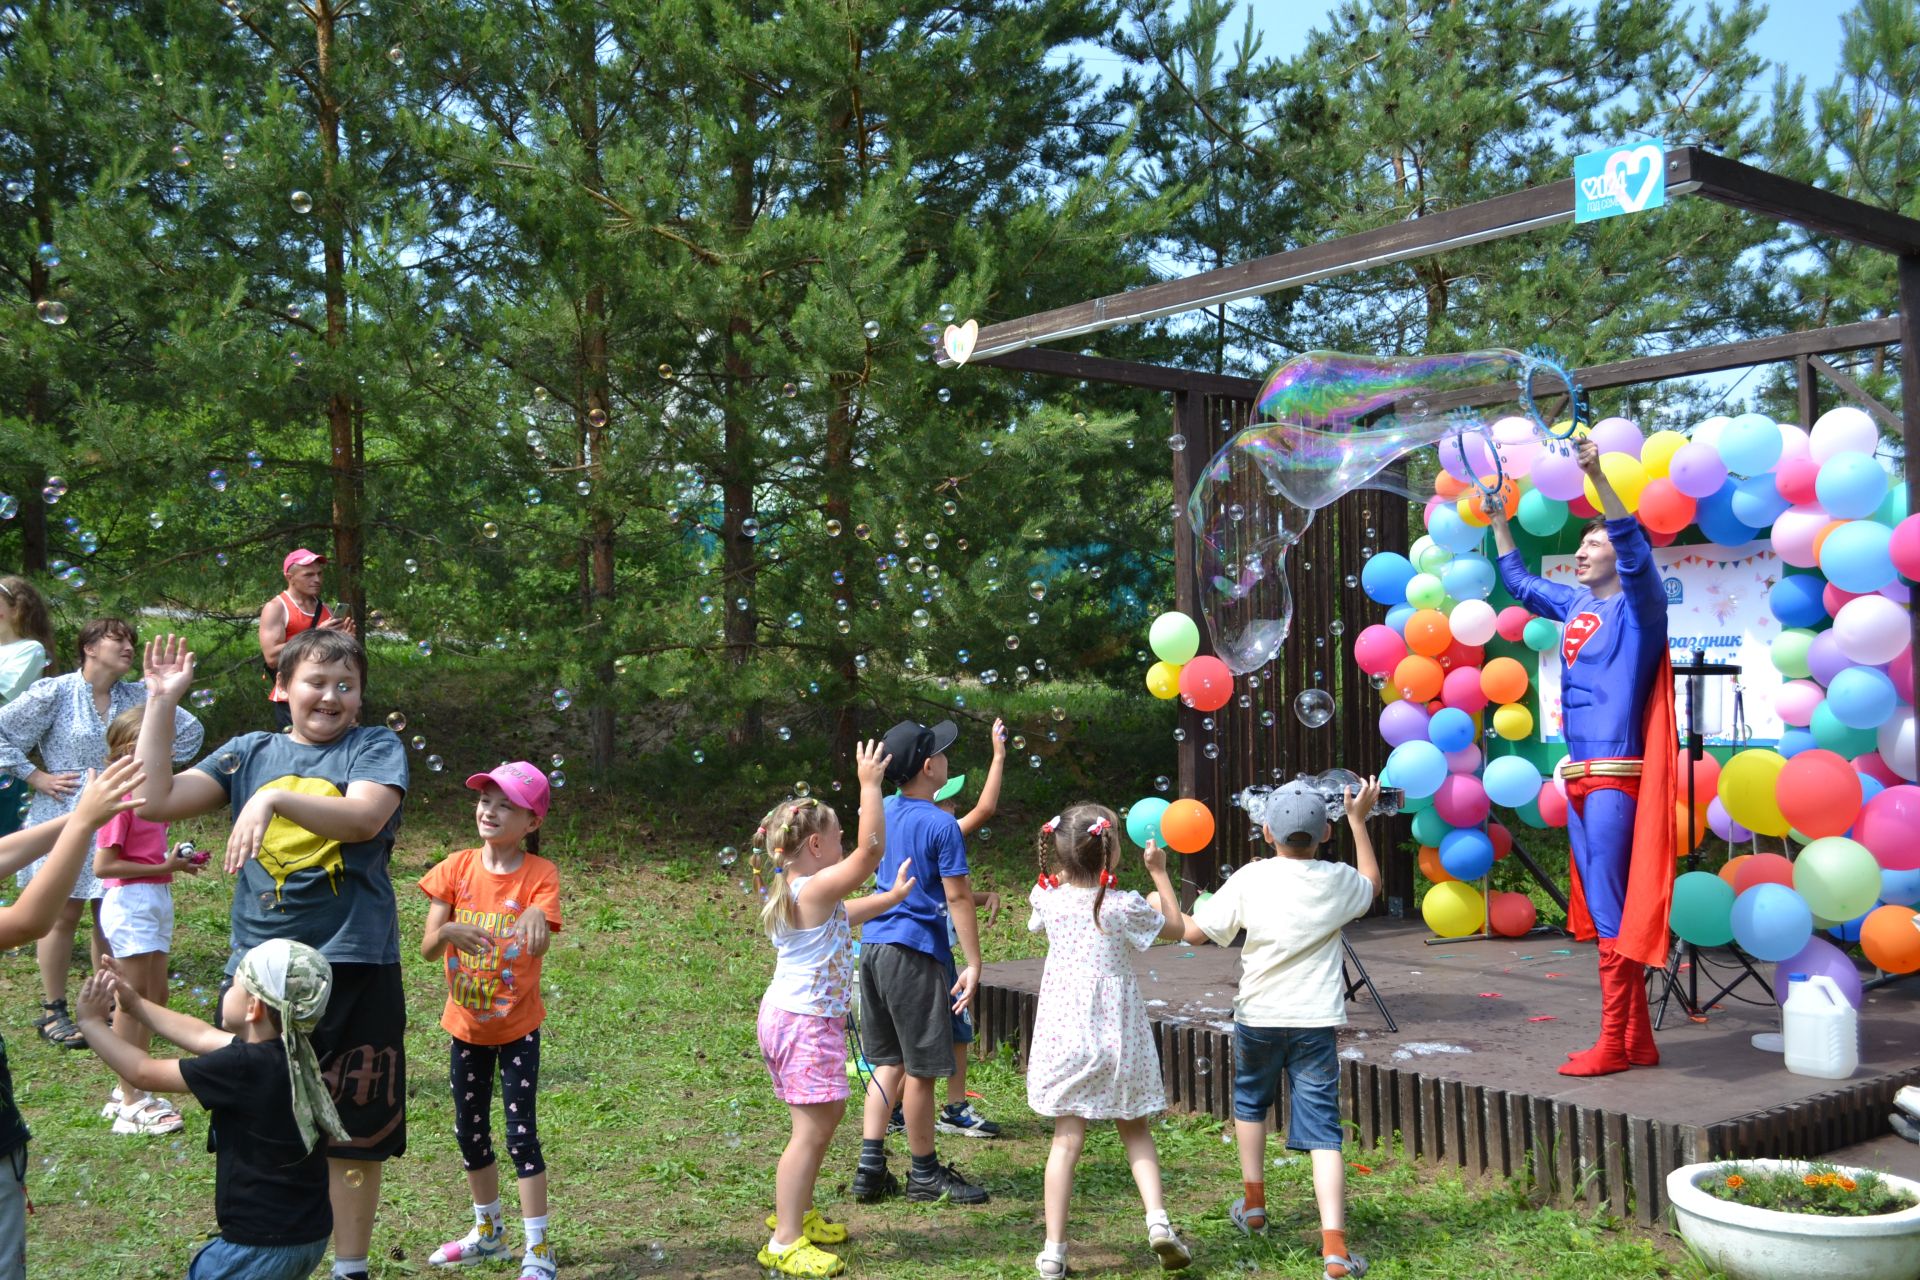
(314,816)
(906,999)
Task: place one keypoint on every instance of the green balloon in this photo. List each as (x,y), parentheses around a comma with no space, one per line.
(1789,652)
(1540,635)
(1429,827)
(1425,592)
(1843,740)
(1416,804)
(1540,515)
(1530,814)
(1838,877)
(1703,909)
(1174,638)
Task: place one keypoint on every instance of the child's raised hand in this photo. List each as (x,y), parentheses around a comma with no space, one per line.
(96,998)
(1155,857)
(870,761)
(1360,801)
(168,669)
(106,792)
(904,882)
(999,738)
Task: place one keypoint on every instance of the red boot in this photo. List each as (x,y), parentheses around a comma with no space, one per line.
(1641,1050)
(1609,1054)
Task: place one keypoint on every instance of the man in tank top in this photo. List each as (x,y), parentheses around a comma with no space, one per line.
(298,608)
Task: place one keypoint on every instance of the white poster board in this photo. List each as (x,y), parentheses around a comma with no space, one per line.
(1716,601)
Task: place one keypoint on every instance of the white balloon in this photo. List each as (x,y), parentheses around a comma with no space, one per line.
(1896,742)
(1871,630)
(1842,429)
(1473,622)
(1794,442)
(1707,431)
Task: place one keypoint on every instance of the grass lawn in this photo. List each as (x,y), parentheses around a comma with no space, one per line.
(661,1131)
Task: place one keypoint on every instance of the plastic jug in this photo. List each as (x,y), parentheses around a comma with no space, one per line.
(1821,1030)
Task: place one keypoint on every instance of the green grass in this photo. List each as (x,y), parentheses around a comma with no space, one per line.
(660,1127)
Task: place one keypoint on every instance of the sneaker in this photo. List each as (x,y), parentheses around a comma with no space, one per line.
(1908,1129)
(802,1260)
(946,1183)
(148,1116)
(475,1246)
(538,1264)
(814,1227)
(965,1121)
(1908,1100)
(1254,1223)
(874,1182)
(896,1123)
(1174,1255)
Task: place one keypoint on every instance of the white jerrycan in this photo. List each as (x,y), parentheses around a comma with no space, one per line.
(1821,1030)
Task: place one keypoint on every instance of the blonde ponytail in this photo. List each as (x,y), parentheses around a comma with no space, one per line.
(779,838)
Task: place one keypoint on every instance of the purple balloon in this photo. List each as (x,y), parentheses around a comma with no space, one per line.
(1820,957)
(1558,476)
(1478,459)
(1697,470)
(1722,822)
(1616,435)
(1824,659)
(1403,721)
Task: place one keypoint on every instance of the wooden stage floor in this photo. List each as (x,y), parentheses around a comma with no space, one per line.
(1469,1078)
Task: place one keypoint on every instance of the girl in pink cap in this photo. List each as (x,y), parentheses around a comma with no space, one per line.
(492,910)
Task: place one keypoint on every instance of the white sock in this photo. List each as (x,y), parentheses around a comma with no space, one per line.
(1158,1218)
(486,1218)
(349,1267)
(536,1229)
(1056,1249)
(779,1250)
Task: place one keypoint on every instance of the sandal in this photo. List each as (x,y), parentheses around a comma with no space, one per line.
(1173,1252)
(814,1227)
(151,1115)
(1355,1264)
(1049,1265)
(57,1027)
(801,1260)
(1251,1221)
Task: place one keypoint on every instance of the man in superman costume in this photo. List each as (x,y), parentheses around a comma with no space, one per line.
(1617,704)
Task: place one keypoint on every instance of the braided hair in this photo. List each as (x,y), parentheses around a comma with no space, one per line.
(780,836)
(1083,839)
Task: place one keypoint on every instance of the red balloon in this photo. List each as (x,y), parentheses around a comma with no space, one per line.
(1663,508)
(1906,548)
(1460,655)
(1511,914)
(1553,806)
(1706,777)
(1502,840)
(1206,682)
(1833,597)
(1762,868)
(1462,689)
(1659,539)
(1872,766)
(1887,825)
(1461,800)
(1512,623)
(1580,509)
(1795,478)
(1819,793)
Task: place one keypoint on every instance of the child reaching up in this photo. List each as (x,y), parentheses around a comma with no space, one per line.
(1292,996)
(1092,1056)
(959,1115)
(258,1077)
(803,1016)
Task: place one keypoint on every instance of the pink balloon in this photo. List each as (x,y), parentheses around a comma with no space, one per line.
(1379,649)
(1795,479)
(1512,623)
(1872,630)
(1795,443)
(1834,599)
(1697,470)
(1559,477)
(1465,760)
(1553,807)
(1900,671)
(1886,826)
(1797,701)
(1462,801)
(1723,824)
(1462,689)
(1617,435)
(1906,547)
(1794,532)
(1870,765)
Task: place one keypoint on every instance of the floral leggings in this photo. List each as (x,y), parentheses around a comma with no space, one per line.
(473,1066)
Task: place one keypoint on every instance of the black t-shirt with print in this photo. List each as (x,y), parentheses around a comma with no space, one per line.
(268,1188)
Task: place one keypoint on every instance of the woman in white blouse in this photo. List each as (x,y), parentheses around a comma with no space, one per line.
(26,638)
(64,719)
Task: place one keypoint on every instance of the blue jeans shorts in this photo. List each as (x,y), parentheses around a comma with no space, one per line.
(223,1260)
(1312,1066)
(962,1021)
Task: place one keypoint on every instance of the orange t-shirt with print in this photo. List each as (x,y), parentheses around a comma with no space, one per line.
(495,997)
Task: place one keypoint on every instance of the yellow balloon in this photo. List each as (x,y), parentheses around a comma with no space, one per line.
(1163,681)
(1453,909)
(1656,455)
(1749,789)
(1625,474)
(1389,692)
(1513,721)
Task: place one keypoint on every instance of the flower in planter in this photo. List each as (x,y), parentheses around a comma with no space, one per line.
(1735,1182)
(1821,1190)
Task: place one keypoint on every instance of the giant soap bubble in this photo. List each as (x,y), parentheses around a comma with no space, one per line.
(1327,424)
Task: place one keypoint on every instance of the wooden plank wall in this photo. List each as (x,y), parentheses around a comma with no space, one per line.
(1560,1153)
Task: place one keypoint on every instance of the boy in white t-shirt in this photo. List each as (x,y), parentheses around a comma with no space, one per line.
(1293,994)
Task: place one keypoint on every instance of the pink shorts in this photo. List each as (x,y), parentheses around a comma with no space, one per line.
(806,1054)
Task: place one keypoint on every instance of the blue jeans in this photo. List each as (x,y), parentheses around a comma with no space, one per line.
(221,1260)
(1312,1066)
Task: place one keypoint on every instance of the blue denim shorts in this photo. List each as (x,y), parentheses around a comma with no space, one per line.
(223,1260)
(1312,1065)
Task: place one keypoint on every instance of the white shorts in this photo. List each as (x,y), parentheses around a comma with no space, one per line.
(137,919)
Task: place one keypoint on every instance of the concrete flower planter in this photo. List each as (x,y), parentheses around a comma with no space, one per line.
(1764,1244)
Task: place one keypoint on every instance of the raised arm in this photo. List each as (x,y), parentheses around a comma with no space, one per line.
(40,902)
(1359,803)
(29,843)
(870,842)
(190,1034)
(1548,599)
(989,802)
(359,815)
(1165,900)
(155,1075)
(168,671)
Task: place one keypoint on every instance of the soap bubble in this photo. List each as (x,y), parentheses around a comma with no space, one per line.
(489,530)
(986,448)
(155,519)
(220,558)
(862,532)
(182,158)
(833,528)
(426,648)
(947,313)
(9,506)
(353,1177)
(789,390)
(53,490)
(54,313)
(533,497)
(255,460)
(218,479)
(596,417)
(556,779)
(802,790)
(226,761)
(921,617)
(49,254)
(1314,707)
(397,721)
(728,855)
(583,487)
(783,733)
(750,527)
(562,699)
(1037,589)
(396,55)
(699,757)
(436,763)
(418,742)
(202,698)
(871,328)
(301,202)
(1177,442)
(1162,782)
(1013,642)
(16,192)
(412,565)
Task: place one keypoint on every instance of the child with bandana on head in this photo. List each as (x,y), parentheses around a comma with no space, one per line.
(259,1079)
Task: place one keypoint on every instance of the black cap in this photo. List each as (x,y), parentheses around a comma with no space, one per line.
(912,744)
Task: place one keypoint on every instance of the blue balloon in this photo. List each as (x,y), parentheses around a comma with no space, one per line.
(1757,502)
(1771,922)
(1385,577)
(1398,615)
(1793,741)
(1714,515)
(1862,697)
(1797,600)
(1143,821)
(1451,729)
(1469,578)
(1858,557)
(1870,787)
(1418,768)
(1453,533)
(1511,781)
(1849,931)
(1750,445)
(1851,485)
(1902,888)
(1467,853)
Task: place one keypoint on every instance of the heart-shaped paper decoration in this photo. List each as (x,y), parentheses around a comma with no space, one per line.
(1623,165)
(959,340)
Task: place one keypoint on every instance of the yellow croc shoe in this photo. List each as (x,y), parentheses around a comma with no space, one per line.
(815,1228)
(802,1260)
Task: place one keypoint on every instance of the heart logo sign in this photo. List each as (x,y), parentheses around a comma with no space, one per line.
(959,340)
(1623,180)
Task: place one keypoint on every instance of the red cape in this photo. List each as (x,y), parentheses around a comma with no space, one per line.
(1643,917)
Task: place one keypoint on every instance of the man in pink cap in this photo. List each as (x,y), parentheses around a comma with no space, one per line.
(298,608)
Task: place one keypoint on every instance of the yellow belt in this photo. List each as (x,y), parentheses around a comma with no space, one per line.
(1600,769)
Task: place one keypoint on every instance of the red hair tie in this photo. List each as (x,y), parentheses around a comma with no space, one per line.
(1046,881)
(1050,826)
(1099,827)
(1108,880)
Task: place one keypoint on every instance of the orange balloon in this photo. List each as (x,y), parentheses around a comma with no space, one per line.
(1430,865)
(1419,677)
(1663,508)
(1820,538)
(1503,680)
(1890,936)
(1683,842)
(1187,826)
(1731,871)
(1429,633)
(1448,487)
(1473,506)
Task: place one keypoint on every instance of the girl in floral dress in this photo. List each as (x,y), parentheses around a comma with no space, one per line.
(1092,1056)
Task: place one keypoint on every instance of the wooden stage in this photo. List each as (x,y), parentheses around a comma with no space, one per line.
(1469,1079)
